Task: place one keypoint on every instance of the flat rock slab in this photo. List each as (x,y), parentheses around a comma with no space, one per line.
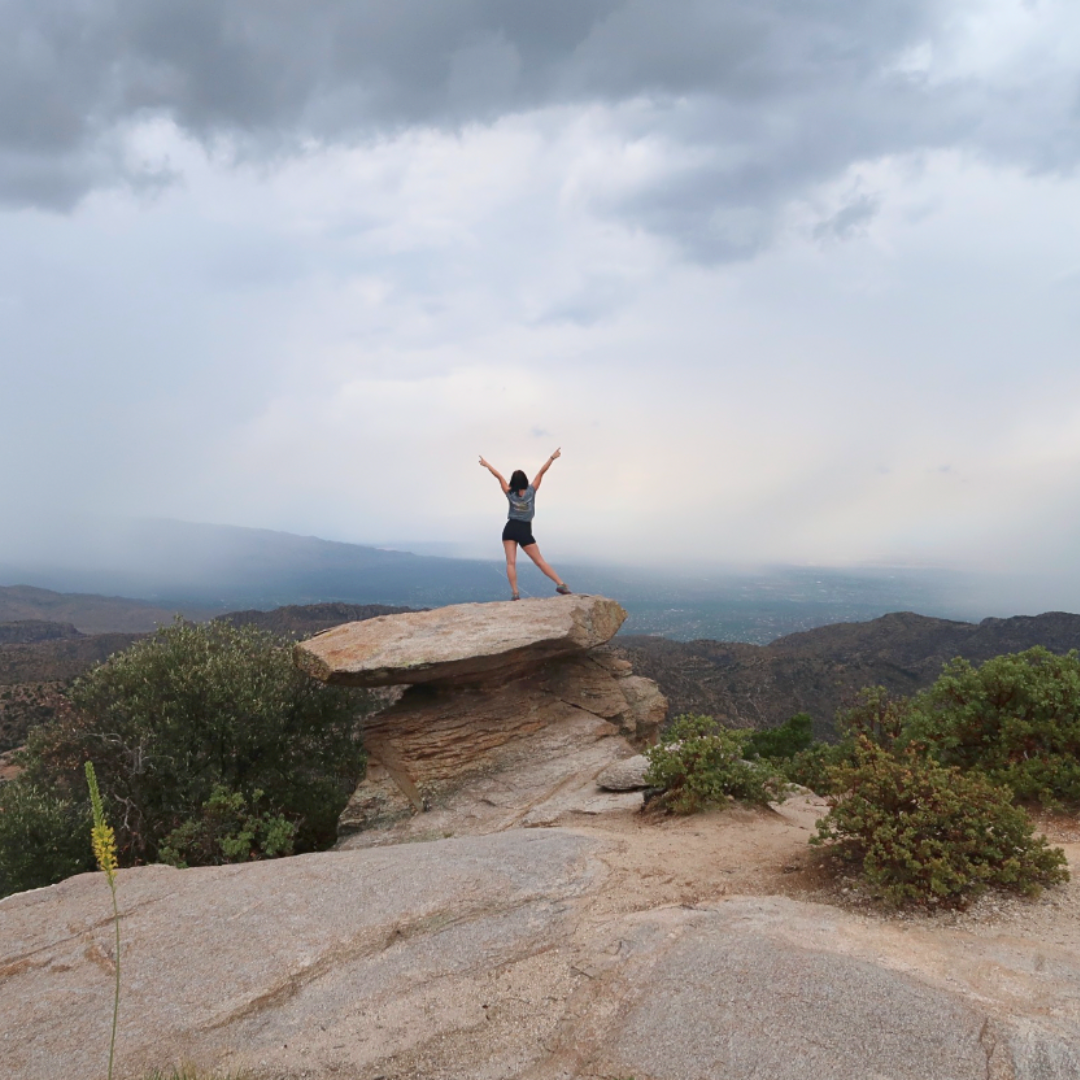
(625,775)
(460,643)
(773,988)
(254,958)
(496,958)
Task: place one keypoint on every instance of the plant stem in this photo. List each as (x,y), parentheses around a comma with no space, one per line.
(116,995)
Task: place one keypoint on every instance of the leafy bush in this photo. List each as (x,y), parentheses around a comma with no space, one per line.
(228,831)
(1016,719)
(44,837)
(195,714)
(698,763)
(814,768)
(876,714)
(785,741)
(927,833)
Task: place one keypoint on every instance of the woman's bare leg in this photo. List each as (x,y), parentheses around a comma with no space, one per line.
(533,551)
(510,546)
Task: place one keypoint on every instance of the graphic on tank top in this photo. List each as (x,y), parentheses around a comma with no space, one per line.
(522,507)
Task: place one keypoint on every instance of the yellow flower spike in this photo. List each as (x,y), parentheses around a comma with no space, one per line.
(104,840)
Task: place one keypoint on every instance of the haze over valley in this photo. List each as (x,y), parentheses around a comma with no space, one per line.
(201,570)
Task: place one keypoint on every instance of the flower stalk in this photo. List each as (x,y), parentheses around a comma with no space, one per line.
(104,842)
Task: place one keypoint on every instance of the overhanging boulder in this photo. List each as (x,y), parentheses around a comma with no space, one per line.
(460,643)
(512,710)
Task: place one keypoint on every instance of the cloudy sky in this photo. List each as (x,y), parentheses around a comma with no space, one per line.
(787,280)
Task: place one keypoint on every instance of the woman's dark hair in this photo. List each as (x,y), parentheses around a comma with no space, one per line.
(519,481)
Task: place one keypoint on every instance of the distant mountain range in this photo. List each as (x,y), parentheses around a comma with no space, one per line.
(217,567)
(299,622)
(86,612)
(818,671)
(205,570)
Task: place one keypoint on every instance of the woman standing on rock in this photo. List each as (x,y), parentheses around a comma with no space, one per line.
(522,498)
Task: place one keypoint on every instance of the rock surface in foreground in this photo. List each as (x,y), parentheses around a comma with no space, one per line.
(495,958)
(463,642)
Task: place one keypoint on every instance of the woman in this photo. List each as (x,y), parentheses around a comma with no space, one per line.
(522,498)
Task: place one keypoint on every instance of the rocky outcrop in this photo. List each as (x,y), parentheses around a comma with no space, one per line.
(463,643)
(625,775)
(512,710)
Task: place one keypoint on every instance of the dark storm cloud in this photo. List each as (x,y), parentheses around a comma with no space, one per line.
(767,96)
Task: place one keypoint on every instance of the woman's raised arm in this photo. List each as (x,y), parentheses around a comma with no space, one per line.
(495,472)
(544,468)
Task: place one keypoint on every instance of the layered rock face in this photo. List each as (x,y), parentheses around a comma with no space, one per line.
(510,712)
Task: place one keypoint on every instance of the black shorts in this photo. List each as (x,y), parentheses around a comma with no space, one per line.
(521,531)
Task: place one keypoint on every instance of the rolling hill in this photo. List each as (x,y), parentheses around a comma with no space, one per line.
(817,671)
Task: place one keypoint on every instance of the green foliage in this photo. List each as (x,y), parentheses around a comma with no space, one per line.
(227,831)
(698,764)
(1016,719)
(876,714)
(814,767)
(926,833)
(189,712)
(785,741)
(44,837)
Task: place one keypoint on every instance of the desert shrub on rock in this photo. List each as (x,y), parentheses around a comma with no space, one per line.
(922,832)
(1016,719)
(228,829)
(194,714)
(698,764)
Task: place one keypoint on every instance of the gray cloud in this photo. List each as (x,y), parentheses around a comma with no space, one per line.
(850,219)
(768,98)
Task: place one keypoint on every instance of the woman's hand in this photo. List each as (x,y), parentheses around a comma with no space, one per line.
(483,462)
(558,453)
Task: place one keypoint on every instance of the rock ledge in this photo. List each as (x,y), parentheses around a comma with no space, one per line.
(462,643)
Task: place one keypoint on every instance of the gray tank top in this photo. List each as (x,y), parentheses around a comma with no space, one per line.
(522,507)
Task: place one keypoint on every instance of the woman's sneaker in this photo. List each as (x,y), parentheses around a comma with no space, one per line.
(563,590)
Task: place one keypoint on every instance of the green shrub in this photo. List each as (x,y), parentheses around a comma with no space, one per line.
(44,838)
(192,710)
(787,740)
(228,831)
(926,833)
(876,714)
(1016,719)
(698,764)
(814,768)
